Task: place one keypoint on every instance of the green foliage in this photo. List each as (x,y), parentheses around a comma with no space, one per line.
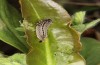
(82,27)
(9,21)
(78,22)
(16,59)
(78,18)
(62,45)
(91,51)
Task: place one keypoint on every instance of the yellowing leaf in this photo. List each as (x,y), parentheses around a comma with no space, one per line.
(61,41)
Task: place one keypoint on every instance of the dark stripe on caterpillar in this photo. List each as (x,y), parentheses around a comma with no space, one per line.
(41,28)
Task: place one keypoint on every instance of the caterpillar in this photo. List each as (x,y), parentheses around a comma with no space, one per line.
(41,28)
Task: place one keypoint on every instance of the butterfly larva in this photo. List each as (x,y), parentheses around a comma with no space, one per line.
(42,27)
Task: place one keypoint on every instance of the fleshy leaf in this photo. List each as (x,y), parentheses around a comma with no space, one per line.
(62,42)
(9,21)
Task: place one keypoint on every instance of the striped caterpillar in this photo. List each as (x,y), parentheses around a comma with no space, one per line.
(41,28)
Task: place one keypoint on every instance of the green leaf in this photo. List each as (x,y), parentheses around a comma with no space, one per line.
(9,21)
(92,24)
(82,27)
(91,51)
(16,59)
(62,44)
(78,18)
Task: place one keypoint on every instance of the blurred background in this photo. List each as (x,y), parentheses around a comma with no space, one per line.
(92,8)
